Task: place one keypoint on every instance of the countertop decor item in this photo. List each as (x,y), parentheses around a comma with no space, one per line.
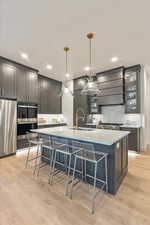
(91,87)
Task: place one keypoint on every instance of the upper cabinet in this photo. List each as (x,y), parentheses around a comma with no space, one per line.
(18,81)
(32,86)
(132,89)
(7,79)
(111,84)
(79,83)
(26,85)
(49,95)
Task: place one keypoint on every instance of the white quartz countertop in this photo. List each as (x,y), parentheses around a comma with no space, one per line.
(99,136)
(50,123)
(131,125)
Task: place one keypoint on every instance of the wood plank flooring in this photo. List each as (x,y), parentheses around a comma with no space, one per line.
(27,200)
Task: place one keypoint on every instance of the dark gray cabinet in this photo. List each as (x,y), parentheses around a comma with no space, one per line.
(87,103)
(110,75)
(18,81)
(133,138)
(110,100)
(7,79)
(121,160)
(21,84)
(111,84)
(32,86)
(94,107)
(26,85)
(79,83)
(49,95)
(132,89)
(80,101)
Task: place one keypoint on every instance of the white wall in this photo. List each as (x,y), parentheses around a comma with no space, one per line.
(67,105)
(146,107)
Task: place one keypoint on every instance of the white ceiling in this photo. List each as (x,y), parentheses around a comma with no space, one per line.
(41,28)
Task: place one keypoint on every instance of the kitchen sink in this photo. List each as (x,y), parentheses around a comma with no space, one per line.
(81,128)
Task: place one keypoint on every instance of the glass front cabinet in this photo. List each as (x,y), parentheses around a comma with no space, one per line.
(132,89)
(94,108)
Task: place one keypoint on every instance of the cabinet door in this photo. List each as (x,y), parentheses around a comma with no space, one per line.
(80,101)
(21,84)
(79,83)
(8,80)
(32,86)
(51,97)
(43,95)
(132,90)
(54,98)
(111,100)
(132,138)
(111,75)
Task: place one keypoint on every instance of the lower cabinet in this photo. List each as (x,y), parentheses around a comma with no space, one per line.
(133,138)
(121,160)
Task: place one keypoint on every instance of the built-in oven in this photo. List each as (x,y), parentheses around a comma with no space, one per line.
(26,120)
(22,112)
(32,111)
(27,113)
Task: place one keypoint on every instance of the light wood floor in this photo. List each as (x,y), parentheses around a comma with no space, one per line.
(26,200)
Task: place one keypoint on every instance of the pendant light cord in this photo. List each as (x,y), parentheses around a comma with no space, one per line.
(90,57)
(66,63)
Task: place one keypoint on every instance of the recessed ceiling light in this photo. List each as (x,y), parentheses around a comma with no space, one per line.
(49,67)
(114,59)
(87,68)
(67,75)
(24,55)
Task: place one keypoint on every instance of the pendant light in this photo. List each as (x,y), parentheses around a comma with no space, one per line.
(65,89)
(91,87)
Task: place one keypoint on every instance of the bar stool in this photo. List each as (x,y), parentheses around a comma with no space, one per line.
(62,147)
(46,158)
(88,154)
(33,141)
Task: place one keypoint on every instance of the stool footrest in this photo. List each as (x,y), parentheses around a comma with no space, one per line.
(34,158)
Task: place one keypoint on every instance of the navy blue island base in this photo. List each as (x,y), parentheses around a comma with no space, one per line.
(117,160)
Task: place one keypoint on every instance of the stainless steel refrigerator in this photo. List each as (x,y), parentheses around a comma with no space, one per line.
(8,114)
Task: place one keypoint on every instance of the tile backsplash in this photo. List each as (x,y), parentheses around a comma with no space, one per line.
(116,114)
(113,114)
(51,118)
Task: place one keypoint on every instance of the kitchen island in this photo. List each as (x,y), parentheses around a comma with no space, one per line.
(113,142)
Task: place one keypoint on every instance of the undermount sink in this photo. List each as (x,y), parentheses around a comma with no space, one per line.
(81,128)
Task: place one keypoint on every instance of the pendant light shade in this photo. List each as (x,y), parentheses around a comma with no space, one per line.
(91,88)
(65,89)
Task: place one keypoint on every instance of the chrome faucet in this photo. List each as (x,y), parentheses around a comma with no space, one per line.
(79,110)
